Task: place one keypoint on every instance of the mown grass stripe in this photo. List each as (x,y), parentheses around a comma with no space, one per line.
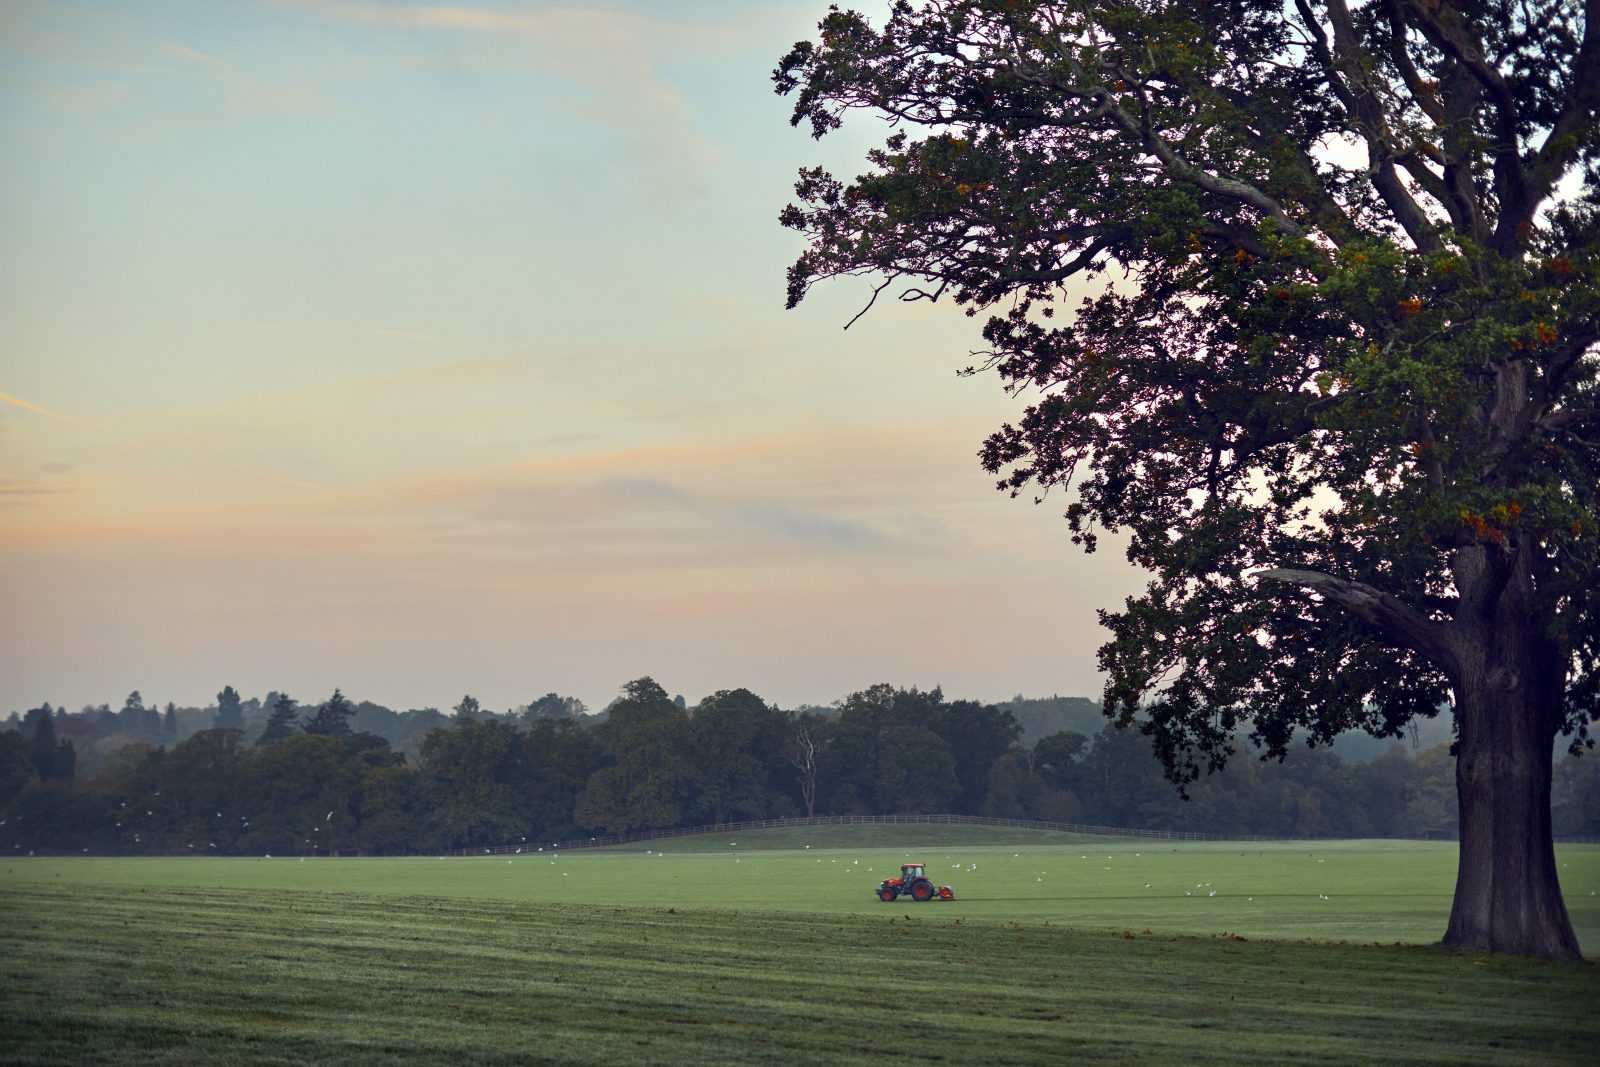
(222,976)
(783,960)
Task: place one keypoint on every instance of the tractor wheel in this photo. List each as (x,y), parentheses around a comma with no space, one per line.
(922,891)
(886,895)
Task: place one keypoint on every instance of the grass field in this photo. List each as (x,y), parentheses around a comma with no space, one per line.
(762,949)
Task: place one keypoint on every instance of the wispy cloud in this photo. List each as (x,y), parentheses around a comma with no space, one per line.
(102,59)
(389,332)
(608,54)
(32,489)
(260,472)
(202,457)
(427,383)
(649,490)
(751,515)
(430,16)
(17,402)
(233,92)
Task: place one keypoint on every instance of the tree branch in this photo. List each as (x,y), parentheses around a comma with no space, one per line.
(1518,199)
(1397,621)
(1373,125)
(1105,104)
(876,290)
(1563,144)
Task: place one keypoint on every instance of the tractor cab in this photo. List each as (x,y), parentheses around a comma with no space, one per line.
(913,882)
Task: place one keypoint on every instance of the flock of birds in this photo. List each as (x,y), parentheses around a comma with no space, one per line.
(969,869)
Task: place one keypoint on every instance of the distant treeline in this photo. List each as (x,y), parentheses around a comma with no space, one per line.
(272,777)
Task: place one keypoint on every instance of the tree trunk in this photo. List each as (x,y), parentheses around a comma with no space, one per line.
(1508,692)
(802,756)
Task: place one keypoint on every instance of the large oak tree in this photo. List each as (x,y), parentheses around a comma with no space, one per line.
(1335,375)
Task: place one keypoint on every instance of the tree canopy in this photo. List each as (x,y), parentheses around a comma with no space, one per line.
(1305,302)
(285,718)
(332,717)
(506,779)
(229,713)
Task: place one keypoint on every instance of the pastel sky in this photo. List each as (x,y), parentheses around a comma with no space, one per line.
(426,350)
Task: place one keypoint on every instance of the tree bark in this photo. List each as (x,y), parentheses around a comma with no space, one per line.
(1508,681)
(1508,676)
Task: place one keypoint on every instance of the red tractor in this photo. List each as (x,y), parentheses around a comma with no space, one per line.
(912,880)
